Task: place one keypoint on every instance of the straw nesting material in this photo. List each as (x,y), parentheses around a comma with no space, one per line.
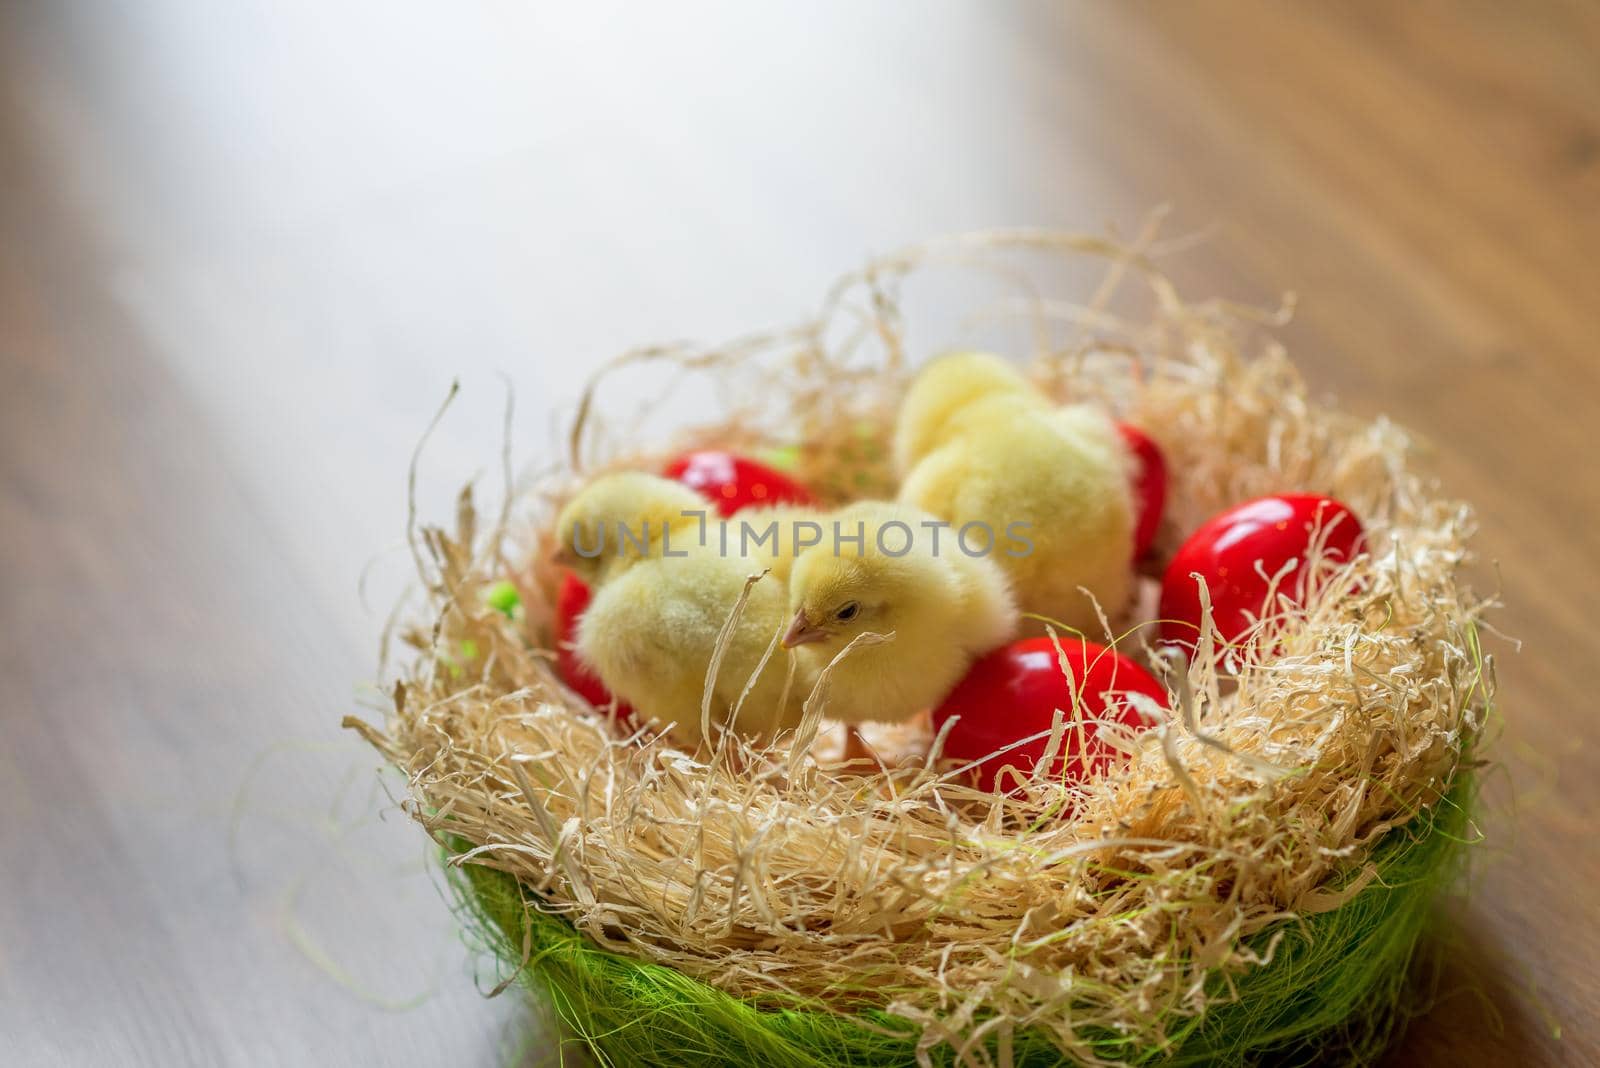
(1105,921)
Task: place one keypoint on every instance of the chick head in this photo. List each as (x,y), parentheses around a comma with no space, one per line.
(841,588)
(621,517)
(942,389)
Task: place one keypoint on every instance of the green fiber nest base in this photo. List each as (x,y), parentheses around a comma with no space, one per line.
(1336,989)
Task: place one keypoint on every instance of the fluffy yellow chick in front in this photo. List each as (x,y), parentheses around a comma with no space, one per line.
(877,571)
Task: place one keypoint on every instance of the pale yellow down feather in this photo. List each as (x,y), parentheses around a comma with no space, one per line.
(1004,456)
(945,388)
(943,609)
(652,626)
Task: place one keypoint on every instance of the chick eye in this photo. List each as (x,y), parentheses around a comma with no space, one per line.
(848,612)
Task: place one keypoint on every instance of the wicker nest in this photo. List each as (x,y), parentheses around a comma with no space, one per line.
(1250,881)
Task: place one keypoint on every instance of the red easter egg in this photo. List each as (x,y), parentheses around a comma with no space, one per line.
(1149,486)
(735,482)
(571,600)
(1013,693)
(1232,549)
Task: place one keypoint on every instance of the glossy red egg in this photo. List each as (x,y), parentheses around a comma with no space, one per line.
(734,482)
(571,600)
(1013,693)
(1233,550)
(1149,486)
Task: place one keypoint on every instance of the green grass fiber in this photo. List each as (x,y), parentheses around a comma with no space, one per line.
(1336,989)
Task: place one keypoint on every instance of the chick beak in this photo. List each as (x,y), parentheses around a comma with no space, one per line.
(801,631)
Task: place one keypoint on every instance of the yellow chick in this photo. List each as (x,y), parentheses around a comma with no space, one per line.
(947,388)
(979,444)
(877,570)
(662,594)
(770,534)
(589,541)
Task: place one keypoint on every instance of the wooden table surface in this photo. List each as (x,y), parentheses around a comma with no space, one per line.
(245,247)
